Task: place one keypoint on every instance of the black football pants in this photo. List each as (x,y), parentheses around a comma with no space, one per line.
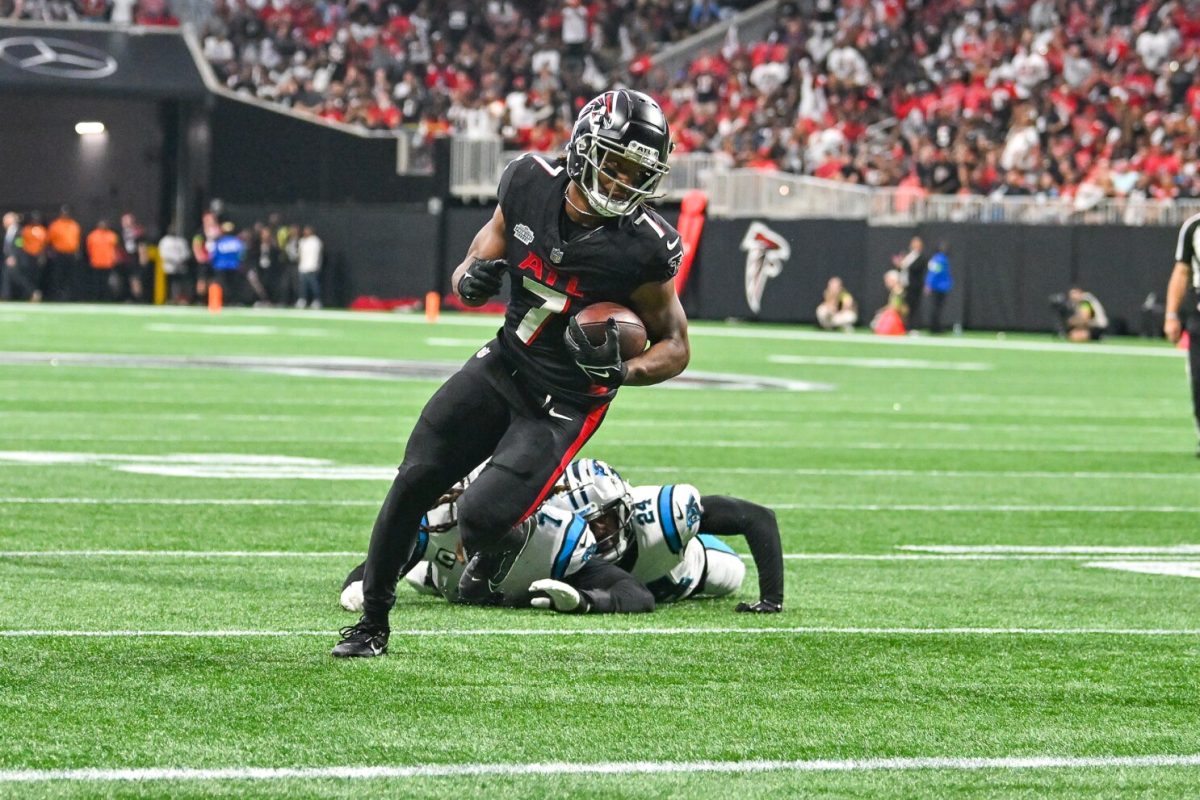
(485,409)
(1193,328)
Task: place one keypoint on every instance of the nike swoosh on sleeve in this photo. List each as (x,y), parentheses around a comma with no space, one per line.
(671,245)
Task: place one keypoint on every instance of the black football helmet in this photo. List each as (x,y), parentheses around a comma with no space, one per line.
(623,136)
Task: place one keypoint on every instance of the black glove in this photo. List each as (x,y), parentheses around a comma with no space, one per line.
(601,362)
(482,279)
(761,607)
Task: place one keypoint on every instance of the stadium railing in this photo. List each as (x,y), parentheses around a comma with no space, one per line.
(781,195)
(476,165)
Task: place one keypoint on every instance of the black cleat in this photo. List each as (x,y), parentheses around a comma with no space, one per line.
(362,640)
(477,584)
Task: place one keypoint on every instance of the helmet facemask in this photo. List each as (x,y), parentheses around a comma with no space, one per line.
(610,527)
(617,178)
(604,499)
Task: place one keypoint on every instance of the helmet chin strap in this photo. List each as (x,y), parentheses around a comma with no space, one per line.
(586,212)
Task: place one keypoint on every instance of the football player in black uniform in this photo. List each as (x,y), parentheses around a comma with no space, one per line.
(1185,274)
(569,233)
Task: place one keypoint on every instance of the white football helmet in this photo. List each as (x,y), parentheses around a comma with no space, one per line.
(598,493)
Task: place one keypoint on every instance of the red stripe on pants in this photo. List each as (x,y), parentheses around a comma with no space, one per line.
(590,423)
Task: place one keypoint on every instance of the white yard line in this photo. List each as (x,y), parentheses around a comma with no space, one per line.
(181,554)
(698,329)
(627,469)
(180,501)
(1007,508)
(262,501)
(1176,568)
(459,633)
(1184,557)
(235,330)
(953,557)
(958,447)
(1066,549)
(392,415)
(964,342)
(1178,445)
(880,363)
(246,773)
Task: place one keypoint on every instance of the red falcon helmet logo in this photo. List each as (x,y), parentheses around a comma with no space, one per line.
(766,251)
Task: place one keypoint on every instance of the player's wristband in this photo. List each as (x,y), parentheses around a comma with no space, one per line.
(1172,315)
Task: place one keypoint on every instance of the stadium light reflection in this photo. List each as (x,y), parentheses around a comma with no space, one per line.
(89,128)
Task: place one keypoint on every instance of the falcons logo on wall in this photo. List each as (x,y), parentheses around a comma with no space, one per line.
(766,251)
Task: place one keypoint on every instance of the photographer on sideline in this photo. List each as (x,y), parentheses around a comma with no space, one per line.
(1081,315)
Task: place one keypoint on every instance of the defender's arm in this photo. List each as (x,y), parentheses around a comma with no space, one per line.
(731,516)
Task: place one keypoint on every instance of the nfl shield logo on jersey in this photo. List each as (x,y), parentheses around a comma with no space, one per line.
(556,255)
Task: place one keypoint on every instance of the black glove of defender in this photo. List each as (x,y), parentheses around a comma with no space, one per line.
(761,607)
(601,362)
(482,279)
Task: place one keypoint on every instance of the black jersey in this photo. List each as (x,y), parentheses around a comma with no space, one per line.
(1187,248)
(552,279)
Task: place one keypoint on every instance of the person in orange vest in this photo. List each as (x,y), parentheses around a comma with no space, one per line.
(33,253)
(62,262)
(102,244)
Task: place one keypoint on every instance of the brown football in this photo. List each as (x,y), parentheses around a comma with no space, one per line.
(594,320)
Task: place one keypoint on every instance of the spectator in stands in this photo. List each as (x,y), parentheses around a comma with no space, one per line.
(32,256)
(15,284)
(837,310)
(62,257)
(103,252)
(956,94)
(122,12)
(311,254)
(938,283)
(1081,316)
(173,251)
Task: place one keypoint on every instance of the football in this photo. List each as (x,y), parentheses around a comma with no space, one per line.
(632,332)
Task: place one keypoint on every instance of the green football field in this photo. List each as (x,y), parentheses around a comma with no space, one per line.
(993,550)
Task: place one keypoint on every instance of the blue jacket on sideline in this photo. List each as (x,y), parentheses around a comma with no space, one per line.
(938,279)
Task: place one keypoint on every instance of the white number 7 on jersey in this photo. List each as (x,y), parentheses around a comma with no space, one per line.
(552,303)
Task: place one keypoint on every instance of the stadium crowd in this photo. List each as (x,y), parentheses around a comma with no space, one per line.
(270,263)
(1071,98)
(522,66)
(118,12)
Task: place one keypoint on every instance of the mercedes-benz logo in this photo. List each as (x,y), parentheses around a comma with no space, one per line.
(58,58)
